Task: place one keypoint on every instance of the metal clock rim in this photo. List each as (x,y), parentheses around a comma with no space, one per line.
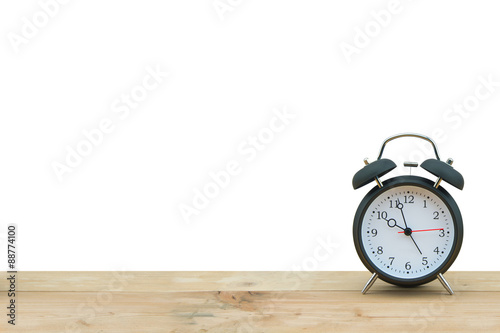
(419,182)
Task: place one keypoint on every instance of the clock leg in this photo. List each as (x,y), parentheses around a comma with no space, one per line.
(370,283)
(445,283)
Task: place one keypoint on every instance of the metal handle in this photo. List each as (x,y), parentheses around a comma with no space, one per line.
(414,135)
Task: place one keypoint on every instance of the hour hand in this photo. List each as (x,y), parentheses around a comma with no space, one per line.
(392,223)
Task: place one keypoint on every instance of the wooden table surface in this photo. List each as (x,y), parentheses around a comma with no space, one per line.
(247,302)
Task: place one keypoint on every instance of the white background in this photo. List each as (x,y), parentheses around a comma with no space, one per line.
(119,209)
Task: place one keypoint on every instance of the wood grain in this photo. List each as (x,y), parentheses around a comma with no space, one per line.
(248,302)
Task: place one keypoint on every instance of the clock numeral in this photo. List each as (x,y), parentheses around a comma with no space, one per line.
(424,261)
(374,232)
(436,215)
(380,250)
(408,266)
(441,233)
(436,250)
(409,199)
(382,215)
(390,201)
(425,203)
(392,259)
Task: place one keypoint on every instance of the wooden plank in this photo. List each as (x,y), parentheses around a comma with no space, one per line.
(304,311)
(248,302)
(234,281)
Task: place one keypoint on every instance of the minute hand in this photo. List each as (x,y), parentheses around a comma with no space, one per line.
(400,206)
(415,244)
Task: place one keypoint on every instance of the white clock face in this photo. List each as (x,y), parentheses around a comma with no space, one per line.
(407,232)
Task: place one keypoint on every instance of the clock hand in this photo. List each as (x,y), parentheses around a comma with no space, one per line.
(415,244)
(392,223)
(407,231)
(402,232)
(400,206)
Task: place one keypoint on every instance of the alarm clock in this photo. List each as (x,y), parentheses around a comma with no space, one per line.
(408,230)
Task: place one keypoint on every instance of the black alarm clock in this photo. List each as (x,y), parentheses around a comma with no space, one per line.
(408,230)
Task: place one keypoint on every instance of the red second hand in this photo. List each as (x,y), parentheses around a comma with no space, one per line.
(402,232)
